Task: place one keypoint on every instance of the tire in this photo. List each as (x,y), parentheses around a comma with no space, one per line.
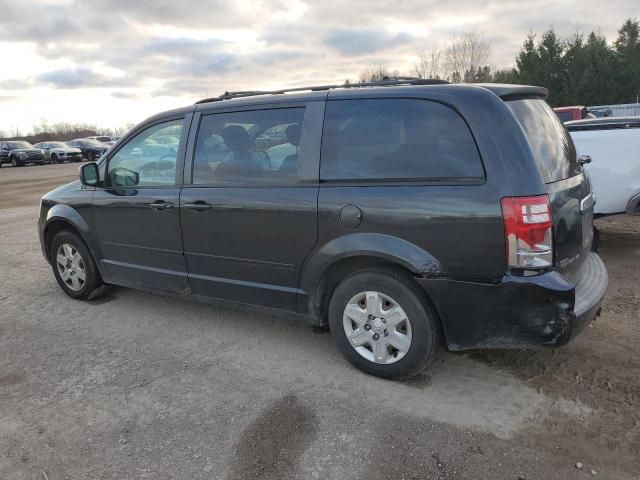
(420,329)
(54,158)
(91,157)
(13,162)
(69,244)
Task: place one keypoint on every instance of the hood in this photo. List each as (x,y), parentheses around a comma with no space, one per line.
(51,195)
(26,150)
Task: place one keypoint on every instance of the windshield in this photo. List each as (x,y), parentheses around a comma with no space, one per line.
(15,145)
(58,145)
(550,141)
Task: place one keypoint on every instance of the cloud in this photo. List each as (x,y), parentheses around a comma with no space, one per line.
(140,50)
(123,95)
(349,42)
(14,84)
(80,77)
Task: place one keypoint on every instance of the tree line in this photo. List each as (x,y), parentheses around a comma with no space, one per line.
(579,70)
(63,131)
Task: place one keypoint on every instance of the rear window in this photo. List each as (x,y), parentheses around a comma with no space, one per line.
(552,147)
(396,139)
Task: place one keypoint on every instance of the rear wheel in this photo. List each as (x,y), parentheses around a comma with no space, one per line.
(73,266)
(383,324)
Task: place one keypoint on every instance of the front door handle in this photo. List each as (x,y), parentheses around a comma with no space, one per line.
(161,205)
(198,206)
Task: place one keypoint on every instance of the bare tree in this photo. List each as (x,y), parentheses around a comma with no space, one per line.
(464,55)
(376,73)
(429,64)
(120,131)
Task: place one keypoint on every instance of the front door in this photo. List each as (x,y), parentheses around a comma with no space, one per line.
(136,214)
(249,215)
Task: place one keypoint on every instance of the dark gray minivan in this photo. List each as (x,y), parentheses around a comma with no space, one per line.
(405,214)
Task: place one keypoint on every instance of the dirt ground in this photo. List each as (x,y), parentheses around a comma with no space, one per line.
(134,385)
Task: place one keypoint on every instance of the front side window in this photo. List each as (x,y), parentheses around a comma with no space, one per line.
(396,139)
(255,147)
(146,161)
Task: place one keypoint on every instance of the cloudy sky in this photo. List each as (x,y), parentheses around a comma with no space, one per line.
(113,62)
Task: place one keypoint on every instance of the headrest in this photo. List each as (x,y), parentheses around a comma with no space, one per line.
(236,138)
(293,134)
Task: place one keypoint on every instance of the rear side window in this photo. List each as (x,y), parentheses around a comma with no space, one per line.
(396,139)
(258,147)
(553,149)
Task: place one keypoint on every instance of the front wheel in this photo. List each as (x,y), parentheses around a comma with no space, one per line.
(382,323)
(91,157)
(73,266)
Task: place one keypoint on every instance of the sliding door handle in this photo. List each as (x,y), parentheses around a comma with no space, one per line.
(198,206)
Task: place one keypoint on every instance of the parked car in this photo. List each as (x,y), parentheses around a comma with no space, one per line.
(58,152)
(101,138)
(91,149)
(402,220)
(576,112)
(611,146)
(20,153)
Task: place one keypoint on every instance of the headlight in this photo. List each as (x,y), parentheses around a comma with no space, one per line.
(42,152)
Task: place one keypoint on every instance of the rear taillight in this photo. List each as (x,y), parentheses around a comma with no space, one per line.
(528,228)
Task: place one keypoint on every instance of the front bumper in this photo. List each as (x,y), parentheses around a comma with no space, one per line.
(519,312)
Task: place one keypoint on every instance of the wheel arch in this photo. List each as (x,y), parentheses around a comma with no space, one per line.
(328,265)
(63,217)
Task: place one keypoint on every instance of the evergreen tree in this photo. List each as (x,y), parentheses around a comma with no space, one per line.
(627,65)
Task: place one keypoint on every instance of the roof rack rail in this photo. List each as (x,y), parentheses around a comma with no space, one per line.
(386,81)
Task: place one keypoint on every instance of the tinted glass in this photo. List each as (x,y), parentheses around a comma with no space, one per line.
(396,139)
(550,141)
(565,116)
(145,161)
(16,145)
(253,147)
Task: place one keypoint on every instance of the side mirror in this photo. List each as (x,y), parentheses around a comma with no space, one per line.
(89,174)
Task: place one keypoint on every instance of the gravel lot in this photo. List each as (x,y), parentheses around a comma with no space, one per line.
(134,385)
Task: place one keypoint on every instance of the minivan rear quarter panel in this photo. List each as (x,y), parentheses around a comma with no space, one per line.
(459,224)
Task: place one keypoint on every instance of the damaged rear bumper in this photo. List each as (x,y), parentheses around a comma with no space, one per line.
(519,312)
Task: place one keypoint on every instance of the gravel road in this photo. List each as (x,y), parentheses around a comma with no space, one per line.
(134,385)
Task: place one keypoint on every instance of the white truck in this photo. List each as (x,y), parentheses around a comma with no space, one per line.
(614,147)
